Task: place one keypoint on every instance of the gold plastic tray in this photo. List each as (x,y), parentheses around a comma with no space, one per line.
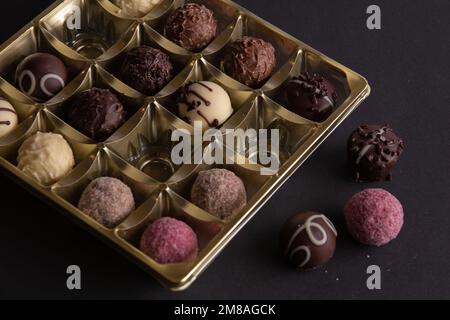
(92,55)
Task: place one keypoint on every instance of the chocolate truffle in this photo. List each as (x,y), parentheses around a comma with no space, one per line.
(46,157)
(108,201)
(374,217)
(8,117)
(311,96)
(168,240)
(373,151)
(308,240)
(41,76)
(192,27)
(96,113)
(250,61)
(146,69)
(206,102)
(219,192)
(137,8)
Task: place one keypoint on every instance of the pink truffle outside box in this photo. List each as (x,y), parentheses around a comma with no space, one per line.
(91,55)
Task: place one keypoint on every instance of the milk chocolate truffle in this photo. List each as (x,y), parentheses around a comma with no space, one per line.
(206,102)
(311,96)
(46,157)
(168,240)
(192,27)
(308,240)
(373,151)
(108,201)
(137,8)
(146,69)
(8,117)
(250,61)
(374,217)
(97,113)
(219,192)
(41,76)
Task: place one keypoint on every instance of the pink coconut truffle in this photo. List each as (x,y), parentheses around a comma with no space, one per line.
(374,217)
(168,240)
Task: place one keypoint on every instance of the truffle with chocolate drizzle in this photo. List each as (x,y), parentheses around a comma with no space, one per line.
(206,102)
(308,240)
(8,117)
(373,151)
(311,96)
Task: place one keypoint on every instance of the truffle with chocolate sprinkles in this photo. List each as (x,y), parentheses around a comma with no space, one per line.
(311,96)
(373,151)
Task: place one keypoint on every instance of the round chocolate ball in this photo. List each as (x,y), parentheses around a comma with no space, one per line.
(219,192)
(311,96)
(250,61)
(374,217)
(168,240)
(373,151)
(96,113)
(192,27)
(108,201)
(146,69)
(8,117)
(41,76)
(308,240)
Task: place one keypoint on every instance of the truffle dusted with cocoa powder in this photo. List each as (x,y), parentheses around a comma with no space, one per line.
(373,151)
(250,61)
(192,27)
(146,69)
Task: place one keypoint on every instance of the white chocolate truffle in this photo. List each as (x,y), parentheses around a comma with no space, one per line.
(137,8)
(206,102)
(47,157)
(8,118)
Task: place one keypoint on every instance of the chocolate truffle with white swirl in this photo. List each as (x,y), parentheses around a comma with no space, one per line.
(41,76)
(308,240)
(373,151)
(311,96)
(207,102)
(8,117)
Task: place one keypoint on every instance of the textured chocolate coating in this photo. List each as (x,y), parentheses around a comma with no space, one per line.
(146,69)
(97,113)
(308,240)
(311,96)
(192,26)
(219,192)
(373,151)
(41,76)
(250,61)
(108,201)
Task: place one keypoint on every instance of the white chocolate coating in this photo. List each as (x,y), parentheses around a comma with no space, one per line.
(47,157)
(137,8)
(8,118)
(206,102)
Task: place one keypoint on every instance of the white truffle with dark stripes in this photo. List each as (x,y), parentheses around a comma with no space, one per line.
(308,240)
(8,117)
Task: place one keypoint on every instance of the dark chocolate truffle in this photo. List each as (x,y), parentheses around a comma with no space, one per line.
(41,76)
(108,201)
(146,69)
(250,61)
(311,96)
(192,26)
(308,240)
(373,151)
(219,192)
(97,113)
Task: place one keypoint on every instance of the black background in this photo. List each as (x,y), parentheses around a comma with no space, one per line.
(407,64)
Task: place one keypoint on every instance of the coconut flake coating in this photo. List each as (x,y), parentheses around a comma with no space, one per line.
(108,201)
(219,192)
(168,240)
(374,217)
